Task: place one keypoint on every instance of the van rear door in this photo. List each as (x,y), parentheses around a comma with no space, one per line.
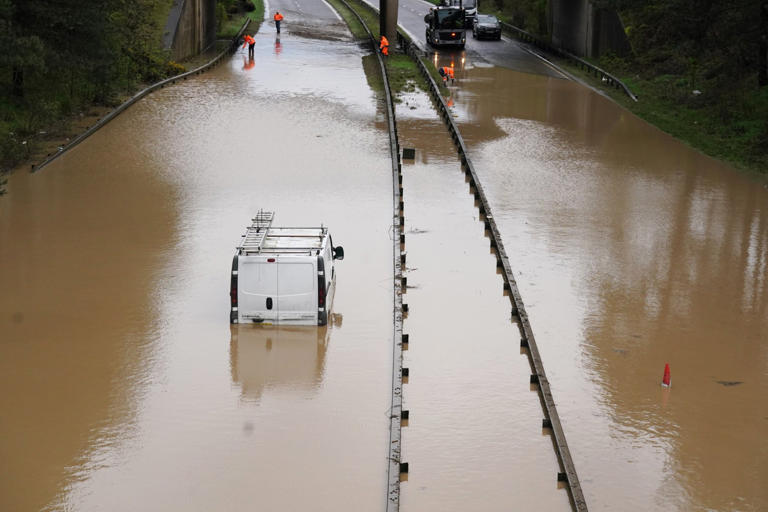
(257,289)
(297,287)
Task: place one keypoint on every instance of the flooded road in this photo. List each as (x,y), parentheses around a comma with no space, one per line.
(129,390)
(474,439)
(125,388)
(632,250)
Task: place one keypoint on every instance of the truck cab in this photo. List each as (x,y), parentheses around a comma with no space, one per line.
(469,6)
(283,275)
(445,26)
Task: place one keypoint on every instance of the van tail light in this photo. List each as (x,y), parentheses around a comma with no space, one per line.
(233,283)
(320,282)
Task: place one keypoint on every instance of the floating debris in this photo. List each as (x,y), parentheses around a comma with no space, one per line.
(730,382)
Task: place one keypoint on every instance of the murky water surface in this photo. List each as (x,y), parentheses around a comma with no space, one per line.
(631,251)
(474,439)
(124,387)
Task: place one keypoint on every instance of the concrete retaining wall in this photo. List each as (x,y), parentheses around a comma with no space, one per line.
(191,28)
(585,30)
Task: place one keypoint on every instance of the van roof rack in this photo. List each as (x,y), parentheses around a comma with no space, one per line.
(261,237)
(255,233)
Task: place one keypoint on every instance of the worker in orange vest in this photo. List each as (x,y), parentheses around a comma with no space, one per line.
(278,19)
(384,45)
(447,74)
(250,41)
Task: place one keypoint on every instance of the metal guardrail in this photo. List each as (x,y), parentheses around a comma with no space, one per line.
(573,59)
(528,341)
(397,413)
(159,85)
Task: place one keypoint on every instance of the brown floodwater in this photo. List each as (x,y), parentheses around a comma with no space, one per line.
(124,387)
(474,439)
(631,251)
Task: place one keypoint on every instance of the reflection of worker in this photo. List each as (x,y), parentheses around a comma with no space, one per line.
(384,45)
(278,19)
(248,64)
(447,74)
(278,45)
(250,41)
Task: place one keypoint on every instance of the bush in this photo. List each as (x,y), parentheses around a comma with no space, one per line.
(174,68)
(12,151)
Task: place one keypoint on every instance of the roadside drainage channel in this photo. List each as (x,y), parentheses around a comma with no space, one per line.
(551,420)
(159,85)
(398,416)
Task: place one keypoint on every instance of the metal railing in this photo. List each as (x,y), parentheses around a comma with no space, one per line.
(528,341)
(603,75)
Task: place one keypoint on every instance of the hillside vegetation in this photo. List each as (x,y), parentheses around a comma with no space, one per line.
(699,68)
(60,57)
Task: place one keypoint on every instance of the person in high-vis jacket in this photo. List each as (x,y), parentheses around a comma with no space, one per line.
(278,19)
(384,45)
(250,41)
(447,74)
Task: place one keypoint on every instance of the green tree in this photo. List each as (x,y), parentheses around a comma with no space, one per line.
(22,52)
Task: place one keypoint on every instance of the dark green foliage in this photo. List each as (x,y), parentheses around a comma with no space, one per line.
(60,55)
(702,58)
(239,6)
(221,15)
(529,15)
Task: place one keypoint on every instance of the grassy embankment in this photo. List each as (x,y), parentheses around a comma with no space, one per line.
(729,127)
(46,120)
(726,132)
(231,26)
(43,135)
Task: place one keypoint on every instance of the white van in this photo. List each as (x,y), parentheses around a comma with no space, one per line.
(283,275)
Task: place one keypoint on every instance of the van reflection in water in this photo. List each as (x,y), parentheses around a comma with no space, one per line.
(286,357)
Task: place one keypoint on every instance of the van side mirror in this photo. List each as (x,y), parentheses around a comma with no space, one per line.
(338,253)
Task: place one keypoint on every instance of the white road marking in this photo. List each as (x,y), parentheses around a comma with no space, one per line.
(550,64)
(333,10)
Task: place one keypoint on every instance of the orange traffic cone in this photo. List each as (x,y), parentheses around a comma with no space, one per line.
(667,380)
